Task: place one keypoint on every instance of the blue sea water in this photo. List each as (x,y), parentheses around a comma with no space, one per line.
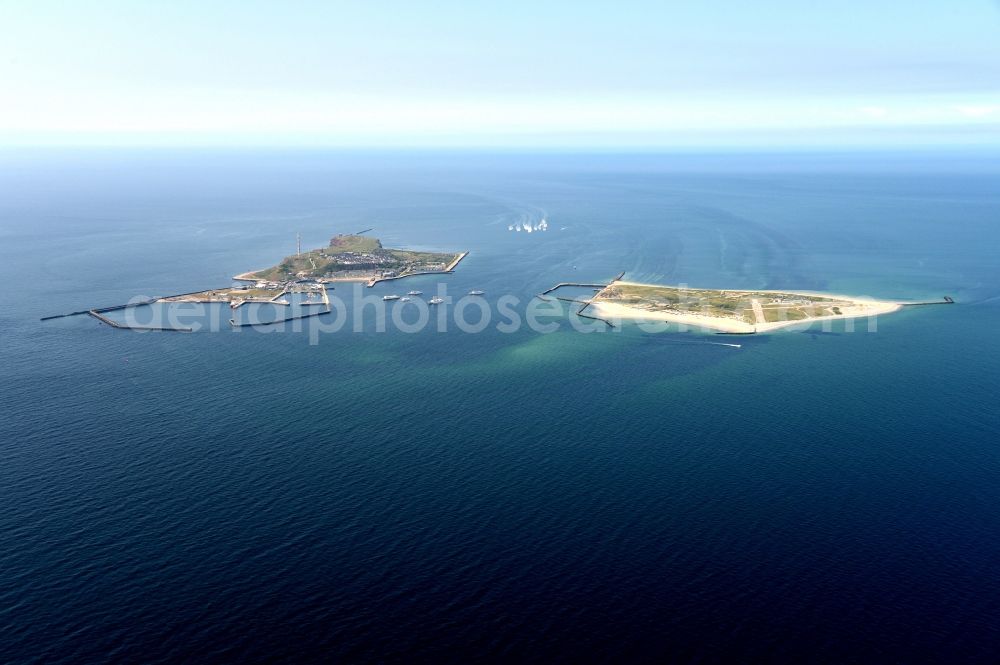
(818,496)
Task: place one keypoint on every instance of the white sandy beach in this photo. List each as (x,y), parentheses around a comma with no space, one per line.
(858,308)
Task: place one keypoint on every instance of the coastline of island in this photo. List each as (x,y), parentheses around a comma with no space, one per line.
(354,258)
(348,258)
(726,311)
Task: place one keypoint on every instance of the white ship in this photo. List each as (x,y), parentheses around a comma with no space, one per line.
(435,301)
(414,293)
(392,297)
(476,293)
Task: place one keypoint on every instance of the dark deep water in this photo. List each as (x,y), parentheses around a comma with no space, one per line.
(542,497)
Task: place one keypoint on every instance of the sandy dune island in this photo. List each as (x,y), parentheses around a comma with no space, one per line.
(731,311)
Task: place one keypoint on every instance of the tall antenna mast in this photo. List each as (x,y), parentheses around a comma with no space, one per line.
(298,244)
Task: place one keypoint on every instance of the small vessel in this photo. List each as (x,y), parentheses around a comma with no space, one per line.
(415,293)
(405,299)
(474,292)
(435,301)
(390,297)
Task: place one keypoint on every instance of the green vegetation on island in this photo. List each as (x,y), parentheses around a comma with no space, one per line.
(355,257)
(732,310)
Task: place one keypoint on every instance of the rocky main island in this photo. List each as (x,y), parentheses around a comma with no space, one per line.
(298,283)
(355,258)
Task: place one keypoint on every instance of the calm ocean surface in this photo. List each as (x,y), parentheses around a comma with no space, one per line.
(384,496)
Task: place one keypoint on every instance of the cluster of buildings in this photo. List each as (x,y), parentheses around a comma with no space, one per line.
(355,261)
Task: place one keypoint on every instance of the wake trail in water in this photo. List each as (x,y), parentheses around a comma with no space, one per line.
(680,342)
(984,301)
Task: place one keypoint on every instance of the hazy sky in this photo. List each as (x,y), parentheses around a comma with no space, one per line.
(746,72)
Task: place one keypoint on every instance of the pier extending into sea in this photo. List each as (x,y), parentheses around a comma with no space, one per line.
(305,315)
(947,300)
(584,304)
(122,326)
(98,313)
